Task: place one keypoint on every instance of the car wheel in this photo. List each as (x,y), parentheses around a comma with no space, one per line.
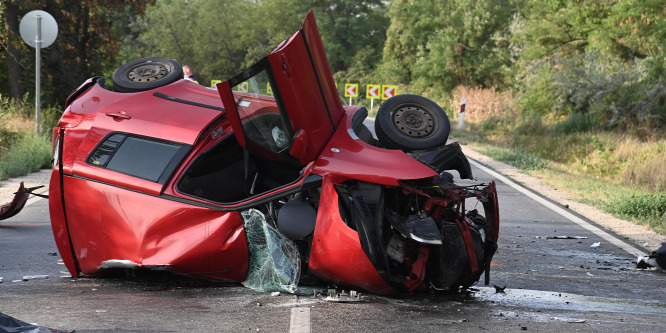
(411,122)
(146,73)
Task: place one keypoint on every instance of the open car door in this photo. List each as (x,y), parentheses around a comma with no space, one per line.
(286,107)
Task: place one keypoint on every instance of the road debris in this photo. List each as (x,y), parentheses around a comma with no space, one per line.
(562,237)
(35,277)
(596,244)
(343,297)
(498,289)
(656,259)
(11,324)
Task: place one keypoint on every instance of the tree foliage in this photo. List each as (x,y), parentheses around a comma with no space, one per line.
(604,58)
(218,38)
(85,45)
(440,44)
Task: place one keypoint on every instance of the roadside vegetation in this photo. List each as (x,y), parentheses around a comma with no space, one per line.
(21,150)
(621,173)
(574,91)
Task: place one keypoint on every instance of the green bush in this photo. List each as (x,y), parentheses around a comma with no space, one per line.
(647,206)
(575,123)
(518,157)
(49,118)
(28,154)
(610,91)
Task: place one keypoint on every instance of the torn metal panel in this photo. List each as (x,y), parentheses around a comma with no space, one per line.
(16,205)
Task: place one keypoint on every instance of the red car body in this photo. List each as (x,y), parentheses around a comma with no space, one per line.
(157,179)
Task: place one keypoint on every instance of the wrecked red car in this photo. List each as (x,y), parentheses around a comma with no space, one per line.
(266,179)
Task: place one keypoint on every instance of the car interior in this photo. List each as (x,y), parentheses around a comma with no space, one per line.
(228,173)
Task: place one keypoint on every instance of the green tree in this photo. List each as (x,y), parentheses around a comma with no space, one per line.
(209,35)
(604,58)
(86,43)
(218,38)
(353,31)
(440,44)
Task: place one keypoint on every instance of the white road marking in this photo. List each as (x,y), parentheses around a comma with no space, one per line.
(557,209)
(300,320)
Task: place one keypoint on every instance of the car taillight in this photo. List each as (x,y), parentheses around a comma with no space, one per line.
(70,119)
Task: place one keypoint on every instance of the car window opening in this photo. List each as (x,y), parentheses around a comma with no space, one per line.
(135,156)
(264,123)
(227,173)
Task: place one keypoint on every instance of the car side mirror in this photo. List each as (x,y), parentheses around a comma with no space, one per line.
(299,145)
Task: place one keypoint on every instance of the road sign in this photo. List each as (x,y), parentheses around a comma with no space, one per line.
(351,90)
(389,91)
(39,30)
(461,120)
(38,21)
(372,91)
(243,87)
(213,82)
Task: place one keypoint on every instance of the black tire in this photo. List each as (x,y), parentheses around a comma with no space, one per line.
(146,73)
(411,122)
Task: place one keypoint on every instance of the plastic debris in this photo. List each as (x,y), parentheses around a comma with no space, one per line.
(596,244)
(275,293)
(34,277)
(274,262)
(656,259)
(343,297)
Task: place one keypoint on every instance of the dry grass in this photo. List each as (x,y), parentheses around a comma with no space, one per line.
(621,173)
(483,103)
(16,124)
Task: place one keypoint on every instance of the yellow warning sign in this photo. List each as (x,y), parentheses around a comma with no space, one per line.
(372,91)
(389,91)
(351,90)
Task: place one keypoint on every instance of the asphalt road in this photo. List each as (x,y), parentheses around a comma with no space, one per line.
(551,285)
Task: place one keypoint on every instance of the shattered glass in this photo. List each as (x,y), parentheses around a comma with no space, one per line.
(9,324)
(275,263)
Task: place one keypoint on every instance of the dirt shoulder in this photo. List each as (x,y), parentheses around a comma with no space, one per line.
(637,234)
